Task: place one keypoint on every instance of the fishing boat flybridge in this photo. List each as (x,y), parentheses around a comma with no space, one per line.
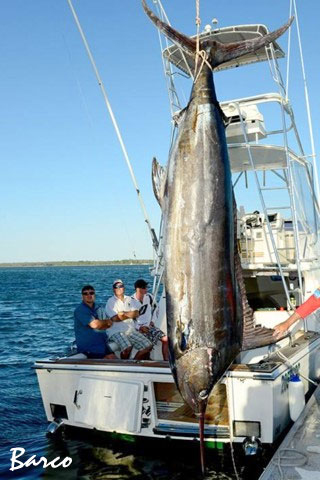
(279,247)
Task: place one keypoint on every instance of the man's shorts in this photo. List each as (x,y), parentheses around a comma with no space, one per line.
(154,335)
(126,340)
(107,351)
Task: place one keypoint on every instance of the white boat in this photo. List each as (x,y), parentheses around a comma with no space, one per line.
(279,245)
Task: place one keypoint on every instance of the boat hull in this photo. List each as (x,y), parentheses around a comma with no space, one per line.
(141,399)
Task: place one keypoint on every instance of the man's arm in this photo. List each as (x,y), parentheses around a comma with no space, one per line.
(132,309)
(85,317)
(281,328)
(144,329)
(125,315)
(305,309)
(131,314)
(111,312)
(119,317)
(101,324)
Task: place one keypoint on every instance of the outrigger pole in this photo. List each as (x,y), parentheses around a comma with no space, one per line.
(306,94)
(152,232)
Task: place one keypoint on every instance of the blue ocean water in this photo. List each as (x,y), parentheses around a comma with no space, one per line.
(36,321)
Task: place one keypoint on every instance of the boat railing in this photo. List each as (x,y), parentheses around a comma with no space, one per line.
(261,98)
(250,154)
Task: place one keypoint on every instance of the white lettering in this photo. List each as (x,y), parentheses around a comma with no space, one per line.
(52,464)
(16,464)
(14,458)
(66,462)
(32,461)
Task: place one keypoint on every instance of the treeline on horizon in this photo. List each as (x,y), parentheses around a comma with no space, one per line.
(78,263)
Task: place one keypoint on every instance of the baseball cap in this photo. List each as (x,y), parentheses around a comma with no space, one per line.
(117,283)
(87,287)
(140,283)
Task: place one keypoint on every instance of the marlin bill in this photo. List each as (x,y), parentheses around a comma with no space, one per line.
(203,297)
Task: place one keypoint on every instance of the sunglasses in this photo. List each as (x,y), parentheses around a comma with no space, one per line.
(89,293)
(118,286)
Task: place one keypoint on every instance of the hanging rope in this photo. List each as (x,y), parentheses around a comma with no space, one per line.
(198,23)
(200,54)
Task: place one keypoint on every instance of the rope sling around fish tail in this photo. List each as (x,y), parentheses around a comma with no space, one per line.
(200,54)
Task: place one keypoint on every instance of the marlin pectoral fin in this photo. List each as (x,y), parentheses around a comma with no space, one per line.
(221,53)
(188,44)
(258,336)
(159,175)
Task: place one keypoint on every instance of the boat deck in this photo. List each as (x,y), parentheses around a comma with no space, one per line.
(298,455)
(216,412)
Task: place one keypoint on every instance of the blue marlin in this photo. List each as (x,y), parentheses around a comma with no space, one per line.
(203,299)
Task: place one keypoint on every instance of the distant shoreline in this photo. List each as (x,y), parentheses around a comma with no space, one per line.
(81,263)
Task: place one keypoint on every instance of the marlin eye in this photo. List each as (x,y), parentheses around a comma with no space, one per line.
(203,394)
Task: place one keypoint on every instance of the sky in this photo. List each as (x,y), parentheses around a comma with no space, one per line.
(65,191)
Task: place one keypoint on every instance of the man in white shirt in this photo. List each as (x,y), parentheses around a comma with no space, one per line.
(123,310)
(143,322)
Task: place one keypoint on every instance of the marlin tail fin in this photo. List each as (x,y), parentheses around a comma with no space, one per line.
(217,52)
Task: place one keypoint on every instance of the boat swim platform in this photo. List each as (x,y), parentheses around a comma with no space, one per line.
(298,457)
(216,412)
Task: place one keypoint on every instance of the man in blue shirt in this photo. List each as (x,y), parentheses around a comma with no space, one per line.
(89,341)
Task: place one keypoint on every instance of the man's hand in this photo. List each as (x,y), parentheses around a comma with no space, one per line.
(280,330)
(101,324)
(125,315)
(144,329)
(131,314)
(119,317)
(109,322)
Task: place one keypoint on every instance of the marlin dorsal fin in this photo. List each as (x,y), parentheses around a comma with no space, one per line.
(159,176)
